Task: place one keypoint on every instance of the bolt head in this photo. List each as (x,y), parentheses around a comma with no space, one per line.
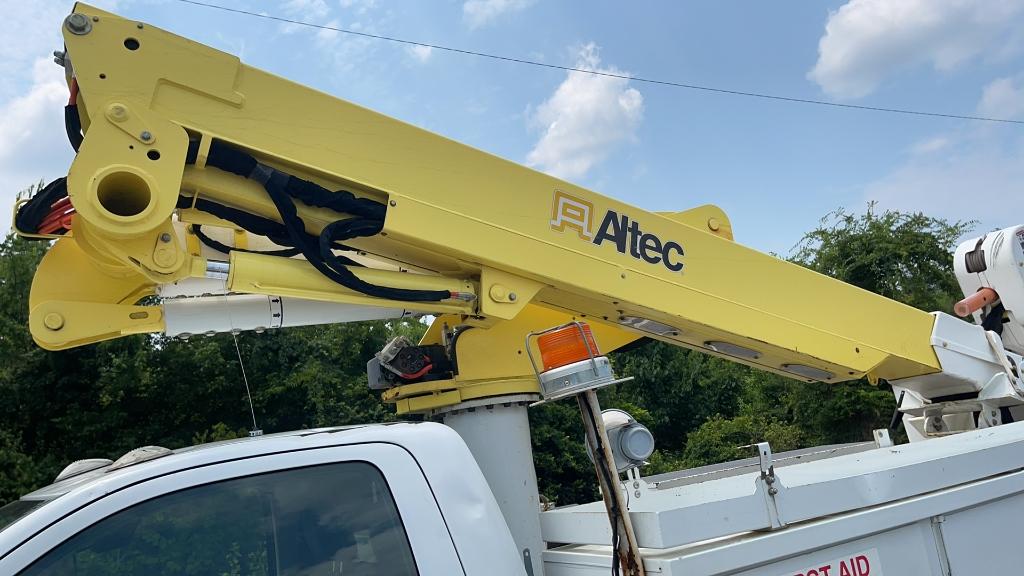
(78,24)
(714,224)
(165,237)
(146,135)
(118,112)
(393,203)
(512,296)
(53,321)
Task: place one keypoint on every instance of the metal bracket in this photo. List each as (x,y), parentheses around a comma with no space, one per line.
(882,438)
(769,485)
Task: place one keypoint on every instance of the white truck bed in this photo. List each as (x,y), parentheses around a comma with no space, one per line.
(947,506)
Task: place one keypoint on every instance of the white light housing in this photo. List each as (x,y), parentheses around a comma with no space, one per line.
(630,441)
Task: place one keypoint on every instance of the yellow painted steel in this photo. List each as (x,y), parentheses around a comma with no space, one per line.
(458,215)
(274,276)
(493,361)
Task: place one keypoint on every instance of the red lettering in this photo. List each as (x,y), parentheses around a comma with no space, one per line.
(863,566)
(812,572)
(844,570)
(824,569)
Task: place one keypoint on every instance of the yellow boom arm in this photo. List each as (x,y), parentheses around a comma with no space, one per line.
(522,250)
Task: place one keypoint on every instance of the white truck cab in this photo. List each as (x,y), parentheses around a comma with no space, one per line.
(391,499)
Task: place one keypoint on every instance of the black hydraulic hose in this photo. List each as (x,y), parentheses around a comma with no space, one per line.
(275,185)
(258,225)
(73,126)
(283,188)
(198,231)
(32,213)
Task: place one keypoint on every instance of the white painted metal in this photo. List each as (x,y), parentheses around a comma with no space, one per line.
(1004,262)
(974,363)
(967,525)
(225,313)
(452,519)
(697,512)
(498,435)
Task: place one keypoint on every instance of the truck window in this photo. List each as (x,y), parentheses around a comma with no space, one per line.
(17,509)
(329,520)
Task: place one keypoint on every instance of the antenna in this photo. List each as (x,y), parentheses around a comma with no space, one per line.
(255,428)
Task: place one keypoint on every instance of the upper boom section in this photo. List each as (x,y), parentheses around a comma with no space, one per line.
(470,222)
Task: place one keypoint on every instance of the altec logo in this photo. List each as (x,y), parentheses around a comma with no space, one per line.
(568,211)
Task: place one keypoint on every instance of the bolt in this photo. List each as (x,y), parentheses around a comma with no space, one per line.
(393,203)
(713,224)
(95,18)
(78,24)
(773,491)
(53,321)
(118,112)
(623,275)
(636,484)
(512,296)
(140,26)
(58,57)
(637,493)
(165,237)
(146,136)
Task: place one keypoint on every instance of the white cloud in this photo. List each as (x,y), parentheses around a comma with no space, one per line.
(1003,98)
(930,145)
(866,41)
(420,53)
(359,7)
(327,36)
(311,9)
(984,184)
(34,145)
(976,173)
(479,13)
(585,119)
(35,32)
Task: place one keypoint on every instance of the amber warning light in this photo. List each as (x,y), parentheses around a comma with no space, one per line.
(571,361)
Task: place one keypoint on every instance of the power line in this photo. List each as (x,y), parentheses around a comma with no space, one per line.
(641,79)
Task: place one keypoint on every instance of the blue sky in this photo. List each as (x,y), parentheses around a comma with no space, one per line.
(776,168)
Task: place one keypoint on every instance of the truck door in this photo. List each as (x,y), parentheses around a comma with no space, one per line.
(362,510)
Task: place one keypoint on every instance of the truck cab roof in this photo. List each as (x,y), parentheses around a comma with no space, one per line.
(447,470)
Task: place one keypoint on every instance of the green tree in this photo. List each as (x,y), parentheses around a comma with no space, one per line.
(722,439)
(905,256)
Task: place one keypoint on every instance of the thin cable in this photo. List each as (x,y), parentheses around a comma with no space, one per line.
(255,427)
(712,89)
